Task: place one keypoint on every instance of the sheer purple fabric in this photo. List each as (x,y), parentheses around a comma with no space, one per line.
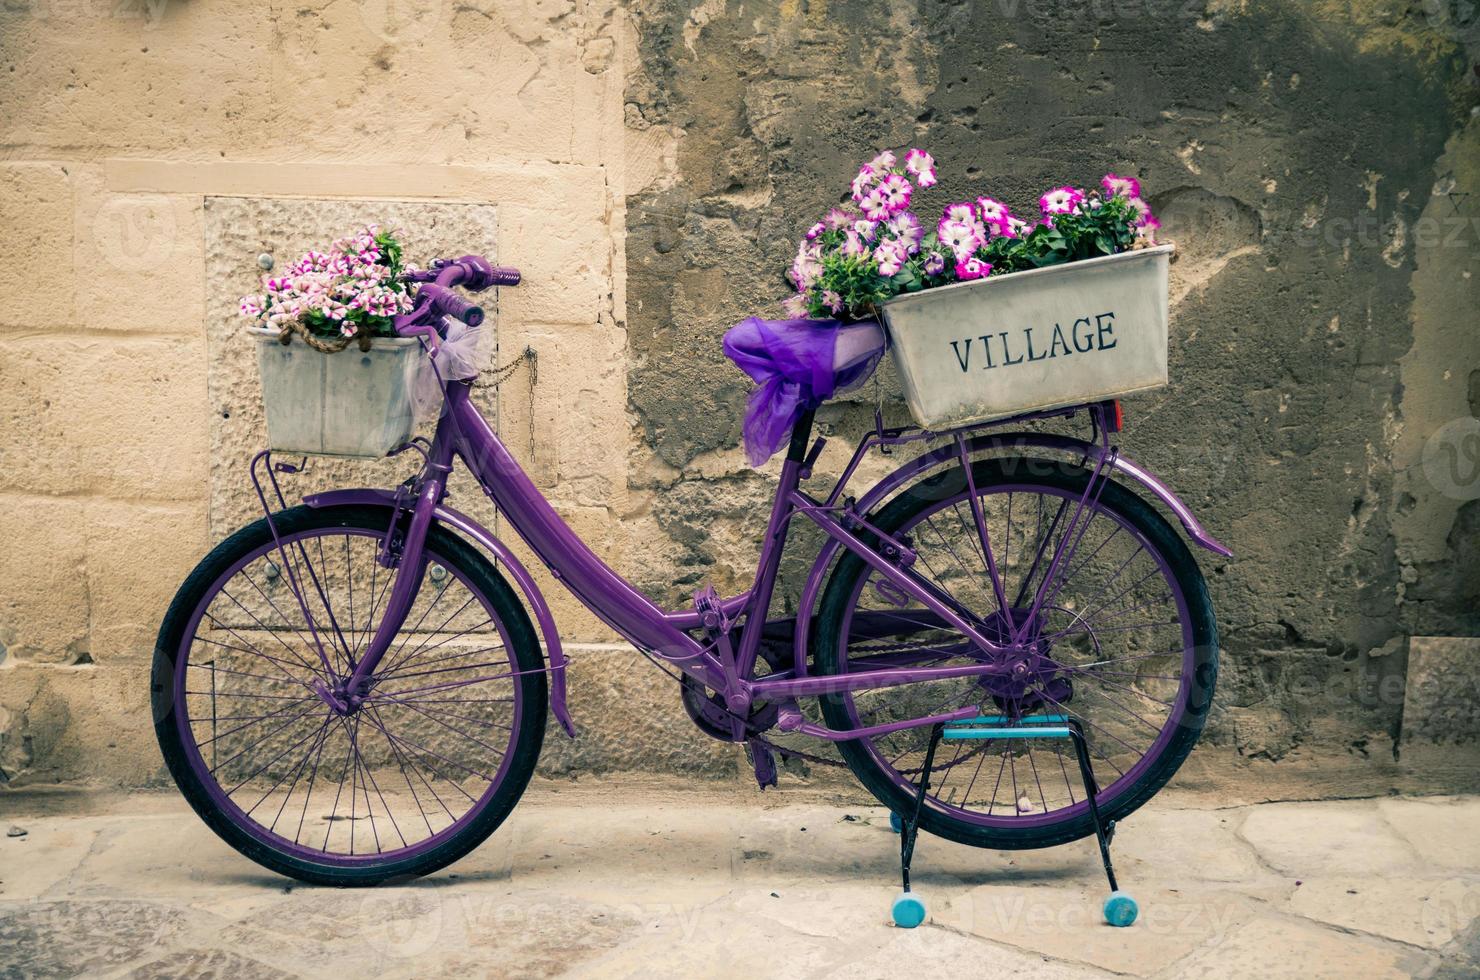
(798,364)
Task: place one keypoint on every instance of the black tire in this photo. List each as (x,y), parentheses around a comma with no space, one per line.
(447,549)
(844,582)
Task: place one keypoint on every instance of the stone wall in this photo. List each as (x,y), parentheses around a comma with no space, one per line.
(649,166)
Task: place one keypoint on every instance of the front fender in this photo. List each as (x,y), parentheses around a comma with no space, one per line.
(948,453)
(483,537)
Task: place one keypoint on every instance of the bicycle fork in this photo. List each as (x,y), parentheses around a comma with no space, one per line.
(404,553)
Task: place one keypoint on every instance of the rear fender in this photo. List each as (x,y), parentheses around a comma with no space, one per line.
(484,538)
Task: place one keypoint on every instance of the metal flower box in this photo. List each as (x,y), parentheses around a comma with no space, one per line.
(1062,335)
(353,403)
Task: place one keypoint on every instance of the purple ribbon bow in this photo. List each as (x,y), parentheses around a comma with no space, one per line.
(798,364)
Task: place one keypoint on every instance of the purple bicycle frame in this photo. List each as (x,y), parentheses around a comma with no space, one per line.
(714,662)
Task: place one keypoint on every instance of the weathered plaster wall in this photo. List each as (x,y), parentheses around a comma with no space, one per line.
(649,166)
(1317,163)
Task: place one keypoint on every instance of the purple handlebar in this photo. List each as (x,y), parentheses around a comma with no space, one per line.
(435,298)
(448,302)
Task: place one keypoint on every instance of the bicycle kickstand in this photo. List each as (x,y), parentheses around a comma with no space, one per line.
(1120,908)
(908,909)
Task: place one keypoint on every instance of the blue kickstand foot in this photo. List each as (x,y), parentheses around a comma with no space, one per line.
(1120,909)
(895,824)
(908,910)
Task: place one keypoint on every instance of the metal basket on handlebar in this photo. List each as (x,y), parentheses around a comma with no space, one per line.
(355,403)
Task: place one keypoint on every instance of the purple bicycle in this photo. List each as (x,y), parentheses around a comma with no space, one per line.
(349,690)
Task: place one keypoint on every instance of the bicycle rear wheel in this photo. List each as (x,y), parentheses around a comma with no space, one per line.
(423,772)
(1127,646)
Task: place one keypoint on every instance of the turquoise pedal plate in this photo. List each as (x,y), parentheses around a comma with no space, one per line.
(1000,726)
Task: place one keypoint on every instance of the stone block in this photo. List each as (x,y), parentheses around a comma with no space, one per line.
(84,414)
(36,248)
(137,557)
(1325,838)
(135,74)
(1270,946)
(44,607)
(138,258)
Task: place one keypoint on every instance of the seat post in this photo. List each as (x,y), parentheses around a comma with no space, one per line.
(801,432)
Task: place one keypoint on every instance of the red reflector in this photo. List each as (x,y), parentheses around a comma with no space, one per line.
(1118,420)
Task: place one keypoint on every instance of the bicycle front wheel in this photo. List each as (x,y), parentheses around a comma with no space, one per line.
(1125,643)
(431,763)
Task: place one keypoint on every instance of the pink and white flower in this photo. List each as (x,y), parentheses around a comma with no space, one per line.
(1142,210)
(854,246)
(1016,227)
(1146,230)
(896,192)
(866,229)
(884,161)
(795,305)
(935,264)
(252,305)
(832,301)
(863,183)
(961,212)
(890,256)
(992,211)
(922,166)
(806,267)
(1117,186)
(960,237)
(906,227)
(837,219)
(1060,200)
(972,268)
(815,231)
(875,204)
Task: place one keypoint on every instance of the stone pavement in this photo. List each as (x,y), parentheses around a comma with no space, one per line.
(616,878)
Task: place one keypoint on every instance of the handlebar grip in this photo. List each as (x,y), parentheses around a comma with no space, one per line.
(448,302)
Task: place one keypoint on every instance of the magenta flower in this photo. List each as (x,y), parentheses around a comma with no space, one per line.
(252,306)
(935,264)
(854,246)
(896,193)
(906,227)
(992,210)
(863,182)
(815,231)
(960,237)
(922,165)
(884,161)
(866,229)
(972,268)
(875,204)
(1060,200)
(1116,186)
(832,300)
(1146,230)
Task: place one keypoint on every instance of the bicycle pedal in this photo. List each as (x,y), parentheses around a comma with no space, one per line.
(764,762)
